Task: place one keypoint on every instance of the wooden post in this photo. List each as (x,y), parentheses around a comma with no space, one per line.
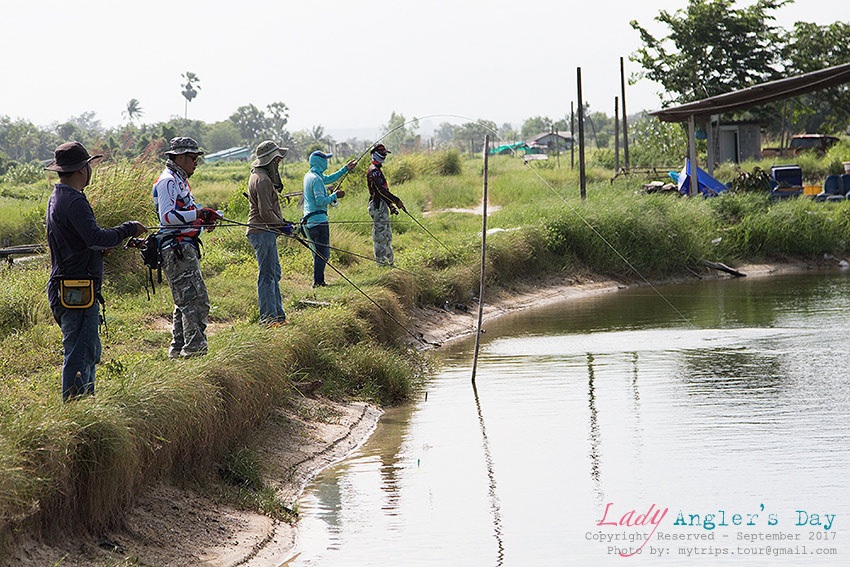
(573,136)
(692,153)
(581,164)
(616,135)
(483,260)
(625,116)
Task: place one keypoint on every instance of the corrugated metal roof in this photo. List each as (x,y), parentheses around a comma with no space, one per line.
(758,94)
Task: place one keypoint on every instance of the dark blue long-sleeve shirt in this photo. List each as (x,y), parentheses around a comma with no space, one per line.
(76,240)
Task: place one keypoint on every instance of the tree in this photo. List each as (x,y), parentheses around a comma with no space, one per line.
(711,49)
(508,133)
(277,120)
(251,122)
(537,125)
(133,110)
(190,89)
(471,134)
(399,133)
(810,47)
(223,135)
(23,142)
(445,133)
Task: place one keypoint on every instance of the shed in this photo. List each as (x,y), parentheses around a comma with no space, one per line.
(701,111)
(237,153)
(551,141)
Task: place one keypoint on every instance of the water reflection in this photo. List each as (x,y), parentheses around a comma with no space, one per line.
(595,435)
(605,401)
(491,476)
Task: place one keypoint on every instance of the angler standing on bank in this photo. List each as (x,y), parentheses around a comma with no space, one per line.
(316,201)
(382,203)
(183,222)
(77,245)
(266,221)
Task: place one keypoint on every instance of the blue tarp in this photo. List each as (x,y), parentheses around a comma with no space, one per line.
(706,184)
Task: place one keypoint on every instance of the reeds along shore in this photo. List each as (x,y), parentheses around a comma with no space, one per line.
(78,466)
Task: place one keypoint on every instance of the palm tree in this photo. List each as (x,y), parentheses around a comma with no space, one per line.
(190,89)
(134,110)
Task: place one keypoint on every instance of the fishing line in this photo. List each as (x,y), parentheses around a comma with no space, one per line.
(343,276)
(228,223)
(570,207)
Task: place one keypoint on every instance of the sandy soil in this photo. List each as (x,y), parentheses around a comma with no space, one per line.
(174,526)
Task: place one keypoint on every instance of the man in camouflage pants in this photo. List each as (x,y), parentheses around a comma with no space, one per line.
(182,223)
(382,203)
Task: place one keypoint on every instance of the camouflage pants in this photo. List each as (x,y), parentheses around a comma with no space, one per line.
(382,232)
(191,302)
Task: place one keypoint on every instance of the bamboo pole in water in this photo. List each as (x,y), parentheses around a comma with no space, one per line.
(483,257)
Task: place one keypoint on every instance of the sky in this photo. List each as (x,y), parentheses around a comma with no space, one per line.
(346,65)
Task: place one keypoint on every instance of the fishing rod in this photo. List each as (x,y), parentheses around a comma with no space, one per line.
(306,244)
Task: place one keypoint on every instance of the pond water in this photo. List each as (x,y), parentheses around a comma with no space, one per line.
(700,424)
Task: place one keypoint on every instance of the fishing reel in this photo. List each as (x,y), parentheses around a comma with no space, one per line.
(133,242)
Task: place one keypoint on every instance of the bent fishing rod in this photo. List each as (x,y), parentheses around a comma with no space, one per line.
(306,244)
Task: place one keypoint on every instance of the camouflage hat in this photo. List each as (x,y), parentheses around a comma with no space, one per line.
(183,145)
(266,152)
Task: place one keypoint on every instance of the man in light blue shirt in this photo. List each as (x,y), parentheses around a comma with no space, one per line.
(316,201)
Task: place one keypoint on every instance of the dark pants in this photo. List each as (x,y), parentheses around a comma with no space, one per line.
(320,237)
(82,349)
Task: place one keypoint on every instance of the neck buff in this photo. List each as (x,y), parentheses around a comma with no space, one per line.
(274,174)
(378,157)
(176,168)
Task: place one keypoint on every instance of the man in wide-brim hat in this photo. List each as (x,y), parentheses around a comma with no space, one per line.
(265,221)
(76,243)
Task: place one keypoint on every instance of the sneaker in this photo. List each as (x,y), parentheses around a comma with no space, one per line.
(174,353)
(323,284)
(192,353)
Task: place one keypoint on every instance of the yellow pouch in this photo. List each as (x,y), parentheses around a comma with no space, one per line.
(76,294)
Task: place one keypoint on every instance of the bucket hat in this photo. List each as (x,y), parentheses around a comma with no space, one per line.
(70,157)
(183,145)
(266,152)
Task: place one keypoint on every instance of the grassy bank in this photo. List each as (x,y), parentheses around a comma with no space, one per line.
(80,464)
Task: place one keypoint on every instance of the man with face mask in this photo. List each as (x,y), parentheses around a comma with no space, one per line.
(77,245)
(382,203)
(316,201)
(266,221)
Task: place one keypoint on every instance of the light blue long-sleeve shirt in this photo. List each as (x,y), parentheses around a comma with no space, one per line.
(316,198)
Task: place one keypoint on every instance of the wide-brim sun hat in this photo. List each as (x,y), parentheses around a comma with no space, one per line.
(70,157)
(266,152)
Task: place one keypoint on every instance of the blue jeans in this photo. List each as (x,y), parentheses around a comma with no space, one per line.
(320,237)
(268,279)
(81,343)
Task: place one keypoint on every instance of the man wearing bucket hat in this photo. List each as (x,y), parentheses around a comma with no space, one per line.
(77,245)
(265,220)
(381,204)
(316,201)
(182,222)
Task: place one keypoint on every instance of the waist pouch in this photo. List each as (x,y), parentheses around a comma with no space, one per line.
(76,294)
